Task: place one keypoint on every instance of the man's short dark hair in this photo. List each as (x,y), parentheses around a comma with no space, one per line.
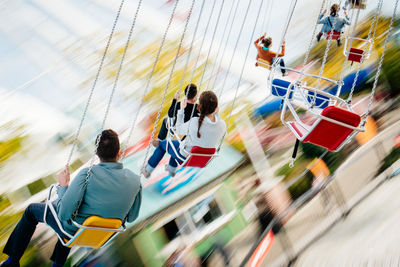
(108,145)
(192,91)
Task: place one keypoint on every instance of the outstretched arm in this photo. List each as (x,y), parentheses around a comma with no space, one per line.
(282,53)
(173,109)
(321,19)
(346,19)
(258,40)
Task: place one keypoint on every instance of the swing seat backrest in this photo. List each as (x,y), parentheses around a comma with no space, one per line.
(355,54)
(330,135)
(95,238)
(279,88)
(335,35)
(199,157)
(321,101)
(263,63)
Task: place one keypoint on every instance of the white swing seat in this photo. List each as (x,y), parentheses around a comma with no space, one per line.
(94,232)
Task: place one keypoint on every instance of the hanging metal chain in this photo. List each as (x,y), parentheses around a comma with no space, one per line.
(268,15)
(310,43)
(341,77)
(212,43)
(202,43)
(191,48)
(220,46)
(94,83)
(244,63)
(321,71)
(374,24)
(133,124)
(197,61)
(289,18)
(108,105)
(188,58)
(226,42)
(168,83)
(235,48)
(378,73)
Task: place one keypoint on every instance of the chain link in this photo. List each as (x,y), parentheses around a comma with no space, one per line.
(235,48)
(190,50)
(378,73)
(94,83)
(214,75)
(212,43)
(202,43)
(310,43)
(168,83)
(321,71)
(226,43)
(133,124)
(244,63)
(109,104)
(371,30)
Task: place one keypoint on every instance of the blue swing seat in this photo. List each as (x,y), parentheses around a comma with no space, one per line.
(279,88)
(321,101)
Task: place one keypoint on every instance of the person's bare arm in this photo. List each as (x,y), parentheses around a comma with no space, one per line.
(258,40)
(282,53)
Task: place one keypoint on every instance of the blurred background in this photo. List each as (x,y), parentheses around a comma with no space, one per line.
(50,53)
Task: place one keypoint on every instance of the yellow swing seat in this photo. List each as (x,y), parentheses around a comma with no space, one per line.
(94,232)
(263,63)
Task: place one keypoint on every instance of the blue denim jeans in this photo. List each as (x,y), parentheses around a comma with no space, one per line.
(22,234)
(159,154)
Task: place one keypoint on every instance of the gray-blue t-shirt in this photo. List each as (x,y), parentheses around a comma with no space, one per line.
(111,192)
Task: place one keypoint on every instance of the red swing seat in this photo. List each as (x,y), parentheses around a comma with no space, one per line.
(355,54)
(335,35)
(328,134)
(199,157)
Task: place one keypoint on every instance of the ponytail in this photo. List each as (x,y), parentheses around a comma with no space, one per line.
(201,118)
(208,104)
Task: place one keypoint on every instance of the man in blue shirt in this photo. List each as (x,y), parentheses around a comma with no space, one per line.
(111,192)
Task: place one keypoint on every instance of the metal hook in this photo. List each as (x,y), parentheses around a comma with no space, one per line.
(291,164)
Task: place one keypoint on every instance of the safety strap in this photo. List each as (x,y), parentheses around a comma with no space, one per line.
(330,23)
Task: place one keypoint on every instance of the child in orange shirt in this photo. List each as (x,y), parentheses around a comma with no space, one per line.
(266,54)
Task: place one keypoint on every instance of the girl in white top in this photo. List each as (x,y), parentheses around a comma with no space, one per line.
(205,131)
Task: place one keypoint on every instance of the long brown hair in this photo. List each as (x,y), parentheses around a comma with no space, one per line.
(208,102)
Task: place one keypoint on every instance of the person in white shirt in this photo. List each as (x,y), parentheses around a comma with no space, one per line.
(205,131)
